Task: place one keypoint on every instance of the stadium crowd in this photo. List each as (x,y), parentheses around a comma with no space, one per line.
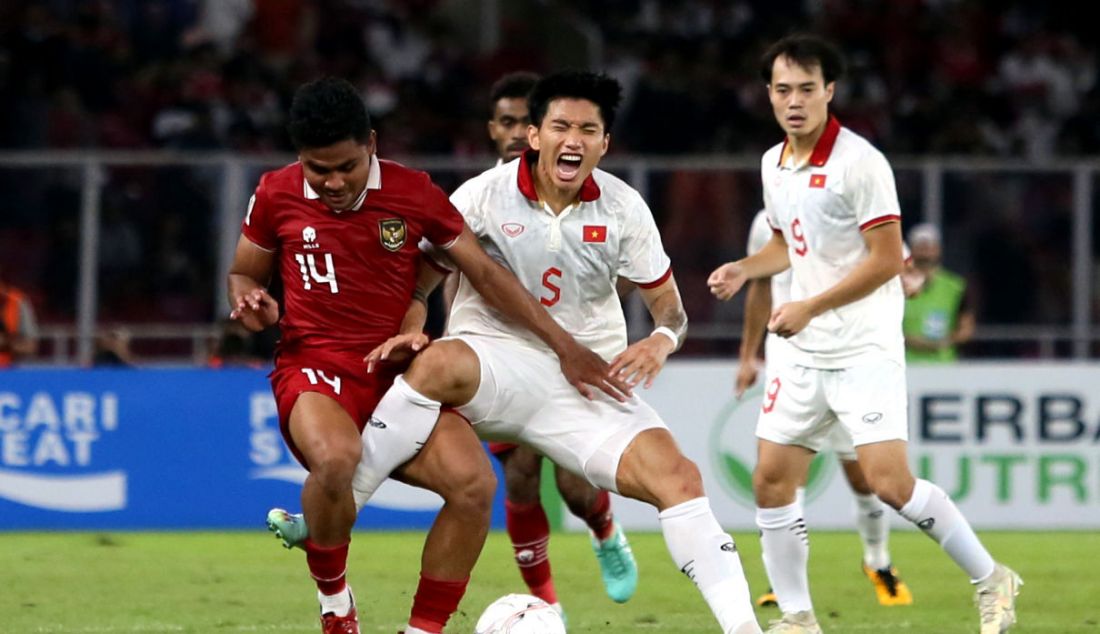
(1014,78)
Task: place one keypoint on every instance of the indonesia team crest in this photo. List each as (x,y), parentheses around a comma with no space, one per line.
(391,232)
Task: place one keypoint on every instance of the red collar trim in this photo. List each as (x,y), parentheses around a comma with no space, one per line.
(823,149)
(526,181)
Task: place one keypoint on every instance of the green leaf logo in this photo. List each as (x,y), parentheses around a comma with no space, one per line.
(733,451)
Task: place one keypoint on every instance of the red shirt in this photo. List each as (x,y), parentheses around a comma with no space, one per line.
(348,276)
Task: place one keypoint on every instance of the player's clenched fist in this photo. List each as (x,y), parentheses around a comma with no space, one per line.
(255,309)
(726,280)
(790,318)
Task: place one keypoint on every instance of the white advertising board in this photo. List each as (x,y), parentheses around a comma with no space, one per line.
(1016,445)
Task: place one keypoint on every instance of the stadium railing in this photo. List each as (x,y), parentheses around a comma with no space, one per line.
(702,203)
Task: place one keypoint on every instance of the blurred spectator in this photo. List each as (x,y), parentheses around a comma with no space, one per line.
(112,349)
(938,316)
(18,329)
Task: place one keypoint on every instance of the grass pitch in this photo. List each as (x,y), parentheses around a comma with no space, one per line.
(244,582)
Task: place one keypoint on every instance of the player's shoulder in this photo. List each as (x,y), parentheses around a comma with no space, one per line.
(497,181)
(401,178)
(286,179)
(770,158)
(858,150)
(616,194)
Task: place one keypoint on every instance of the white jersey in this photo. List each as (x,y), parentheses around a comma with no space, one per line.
(569,261)
(822,207)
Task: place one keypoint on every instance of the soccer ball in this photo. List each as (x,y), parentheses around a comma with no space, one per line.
(519,614)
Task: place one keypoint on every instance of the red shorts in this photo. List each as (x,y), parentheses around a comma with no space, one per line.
(341,376)
(497,448)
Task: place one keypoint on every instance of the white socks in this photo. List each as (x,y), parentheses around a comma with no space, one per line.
(786,549)
(874,530)
(398,428)
(708,556)
(935,514)
(339,603)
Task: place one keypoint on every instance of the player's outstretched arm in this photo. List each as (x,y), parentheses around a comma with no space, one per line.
(249,274)
(581,367)
(758,308)
(643,360)
(883,262)
(727,279)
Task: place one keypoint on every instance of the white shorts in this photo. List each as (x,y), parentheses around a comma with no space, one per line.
(802,405)
(839,441)
(524,398)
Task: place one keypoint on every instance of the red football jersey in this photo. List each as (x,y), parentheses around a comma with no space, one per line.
(348,276)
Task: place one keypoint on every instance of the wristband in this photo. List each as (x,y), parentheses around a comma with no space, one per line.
(666,331)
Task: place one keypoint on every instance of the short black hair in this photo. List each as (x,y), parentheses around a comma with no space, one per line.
(327,111)
(598,88)
(515,85)
(807,51)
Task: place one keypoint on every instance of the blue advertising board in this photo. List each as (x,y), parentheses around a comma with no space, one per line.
(159,449)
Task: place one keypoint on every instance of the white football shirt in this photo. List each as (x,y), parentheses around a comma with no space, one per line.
(822,207)
(569,261)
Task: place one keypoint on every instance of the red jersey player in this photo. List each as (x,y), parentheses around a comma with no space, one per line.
(343,227)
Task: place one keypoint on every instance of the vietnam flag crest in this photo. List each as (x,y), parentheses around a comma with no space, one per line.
(817,180)
(595,233)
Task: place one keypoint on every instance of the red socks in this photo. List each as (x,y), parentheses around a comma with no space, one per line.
(328,566)
(435,601)
(530,533)
(599,517)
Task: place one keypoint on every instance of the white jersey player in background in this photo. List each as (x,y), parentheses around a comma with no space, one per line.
(833,208)
(872,522)
(568,231)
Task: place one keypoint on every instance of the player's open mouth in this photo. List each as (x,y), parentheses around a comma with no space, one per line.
(568,166)
(796,119)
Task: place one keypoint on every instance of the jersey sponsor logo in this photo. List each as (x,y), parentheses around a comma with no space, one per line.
(817,180)
(512,229)
(595,233)
(392,234)
(309,237)
(872,418)
(48,448)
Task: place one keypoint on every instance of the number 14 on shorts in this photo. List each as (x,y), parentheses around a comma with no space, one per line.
(314,375)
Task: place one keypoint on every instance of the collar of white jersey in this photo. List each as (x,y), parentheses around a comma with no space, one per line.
(823,149)
(526,181)
(374,181)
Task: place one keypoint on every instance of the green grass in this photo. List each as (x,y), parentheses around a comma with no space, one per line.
(244,582)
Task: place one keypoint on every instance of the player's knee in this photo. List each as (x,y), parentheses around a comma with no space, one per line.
(576,492)
(521,487)
(334,470)
(771,488)
(472,491)
(684,482)
(893,494)
(442,369)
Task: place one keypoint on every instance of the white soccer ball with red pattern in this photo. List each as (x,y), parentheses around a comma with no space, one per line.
(520,614)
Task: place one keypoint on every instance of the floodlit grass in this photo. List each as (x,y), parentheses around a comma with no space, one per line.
(244,582)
